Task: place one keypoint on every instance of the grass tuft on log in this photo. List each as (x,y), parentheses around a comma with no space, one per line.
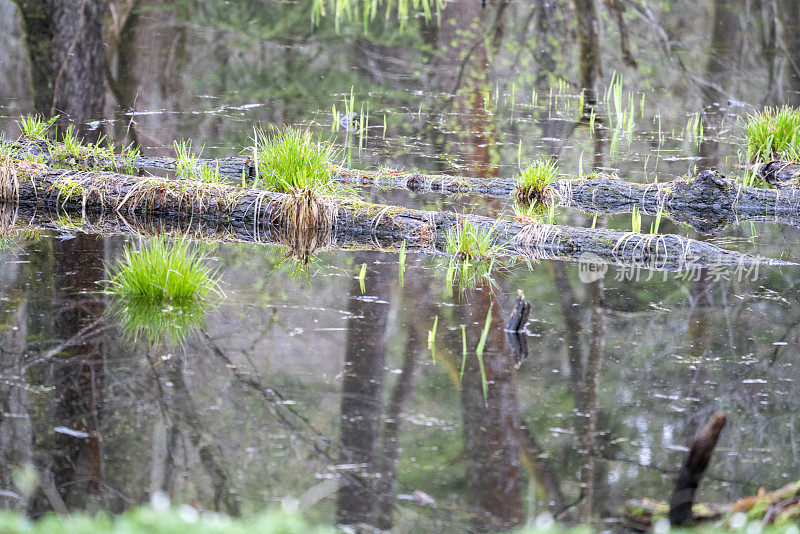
(188,168)
(72,152)
(472,250)
(532,184)
(290,161)
(773,134)
(35,127)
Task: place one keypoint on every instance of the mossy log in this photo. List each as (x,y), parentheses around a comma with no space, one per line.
(707,202)
(26,183)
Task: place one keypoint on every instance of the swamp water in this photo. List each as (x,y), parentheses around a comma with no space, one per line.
(322,391)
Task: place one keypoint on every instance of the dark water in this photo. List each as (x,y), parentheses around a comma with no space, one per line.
(312,393)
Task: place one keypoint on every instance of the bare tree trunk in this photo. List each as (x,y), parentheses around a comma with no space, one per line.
(64,39)
(588,46)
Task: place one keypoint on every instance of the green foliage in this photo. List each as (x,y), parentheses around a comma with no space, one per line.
(34,127)
(362,274)
(538,174)
(74,153)
(140,318)
(773,134)
(187,166)
(151,521)
(6,148)
(469,242)
(532,184)
(694,128)
(162,271)
(288,160)
(535,212)
(345,11)
(402,263)
(463,351)
(656,225)
(432,338)
(472,251)
(479,352)
(71,188)
(636,221)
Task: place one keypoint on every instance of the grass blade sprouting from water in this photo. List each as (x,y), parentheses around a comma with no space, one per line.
(463,351)
(361,276)
(432,339)
(402,269)
(479,353)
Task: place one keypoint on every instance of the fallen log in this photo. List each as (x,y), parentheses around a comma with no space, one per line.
(707,202)
(27,183)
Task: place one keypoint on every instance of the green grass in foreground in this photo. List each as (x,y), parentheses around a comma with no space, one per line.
(178,520)
(161,271)
(773,134)
(172,521)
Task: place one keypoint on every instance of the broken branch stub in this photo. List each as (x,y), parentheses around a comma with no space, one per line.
(694,465)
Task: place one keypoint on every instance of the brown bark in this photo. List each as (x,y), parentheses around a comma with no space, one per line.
(694,465)
(64,39)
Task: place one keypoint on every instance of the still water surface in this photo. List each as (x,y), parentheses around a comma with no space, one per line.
(314,392)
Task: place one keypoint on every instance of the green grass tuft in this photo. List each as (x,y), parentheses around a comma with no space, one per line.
(162,271)
(149,520)
(538,174)
(773,134)
(187,166)
(289,160)
(472,251)
(468,242)
(532,184)
(35,127)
